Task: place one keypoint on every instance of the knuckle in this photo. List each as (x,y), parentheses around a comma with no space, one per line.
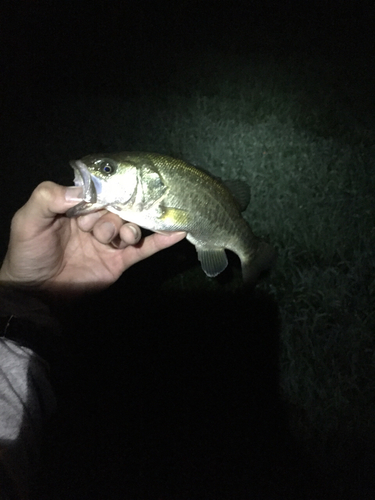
(44,190)
(17,217)
(42,194)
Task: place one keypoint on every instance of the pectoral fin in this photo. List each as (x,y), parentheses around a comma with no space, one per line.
(175,218)
(213,260)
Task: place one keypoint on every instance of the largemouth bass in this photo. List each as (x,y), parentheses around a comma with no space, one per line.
(162,194)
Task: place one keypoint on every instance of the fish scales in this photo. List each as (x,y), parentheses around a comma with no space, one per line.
(161,193)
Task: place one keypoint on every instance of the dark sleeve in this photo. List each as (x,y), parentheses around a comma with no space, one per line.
(26,403)
(26,397)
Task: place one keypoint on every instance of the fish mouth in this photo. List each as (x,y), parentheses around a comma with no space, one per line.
(82,178)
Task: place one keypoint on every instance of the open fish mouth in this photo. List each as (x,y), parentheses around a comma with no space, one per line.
(82,178)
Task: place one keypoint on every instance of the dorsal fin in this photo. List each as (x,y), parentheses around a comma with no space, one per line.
(240,191)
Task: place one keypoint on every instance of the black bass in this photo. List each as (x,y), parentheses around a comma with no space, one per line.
(162,194)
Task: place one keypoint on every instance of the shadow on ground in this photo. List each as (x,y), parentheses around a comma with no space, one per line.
(171,395)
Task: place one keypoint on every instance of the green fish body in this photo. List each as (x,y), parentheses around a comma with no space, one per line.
(164,194)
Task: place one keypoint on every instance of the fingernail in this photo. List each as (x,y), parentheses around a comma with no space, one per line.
(135,230)
(74,193)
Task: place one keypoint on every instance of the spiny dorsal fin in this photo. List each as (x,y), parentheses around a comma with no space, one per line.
(240,191)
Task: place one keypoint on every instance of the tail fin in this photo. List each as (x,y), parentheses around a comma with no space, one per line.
(263,259)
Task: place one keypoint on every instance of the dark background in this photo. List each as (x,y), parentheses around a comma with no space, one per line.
(161,395)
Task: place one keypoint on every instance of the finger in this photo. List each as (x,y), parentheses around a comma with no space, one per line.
(88,221)
(156,242)
(47,200)
(107,227)
(153,244)
(130,234)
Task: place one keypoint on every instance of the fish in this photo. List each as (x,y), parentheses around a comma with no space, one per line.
(162,194)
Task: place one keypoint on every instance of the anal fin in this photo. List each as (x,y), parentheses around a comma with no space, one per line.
(213,260)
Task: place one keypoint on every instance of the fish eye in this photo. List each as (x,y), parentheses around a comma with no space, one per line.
(107,167)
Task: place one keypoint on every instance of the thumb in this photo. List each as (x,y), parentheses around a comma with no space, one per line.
(48,200)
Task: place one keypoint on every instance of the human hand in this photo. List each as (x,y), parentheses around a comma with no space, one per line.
(49,251)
